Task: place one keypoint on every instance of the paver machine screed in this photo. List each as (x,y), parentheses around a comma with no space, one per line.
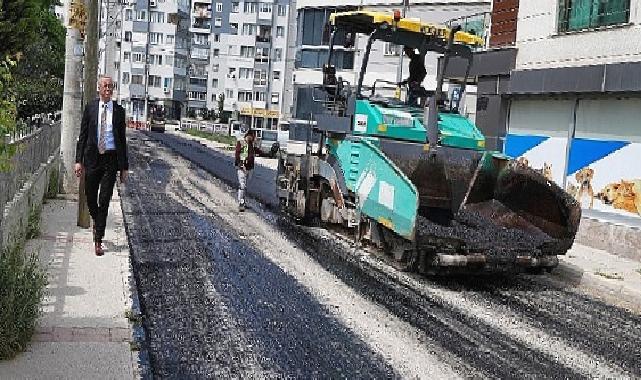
(418,182)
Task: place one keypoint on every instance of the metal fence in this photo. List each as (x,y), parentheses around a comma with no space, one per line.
(35,142)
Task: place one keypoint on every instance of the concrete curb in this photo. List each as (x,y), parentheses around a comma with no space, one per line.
(609,290)
(139,334)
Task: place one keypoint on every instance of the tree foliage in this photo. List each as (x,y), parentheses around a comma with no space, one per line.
(36,39)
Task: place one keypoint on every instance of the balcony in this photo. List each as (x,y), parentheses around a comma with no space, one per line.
(202,13)
(205,26)
(263,38)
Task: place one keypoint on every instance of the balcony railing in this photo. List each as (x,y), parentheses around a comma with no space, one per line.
(264,38)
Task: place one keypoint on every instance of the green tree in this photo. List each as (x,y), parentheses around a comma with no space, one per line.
(36,38)
(21,23)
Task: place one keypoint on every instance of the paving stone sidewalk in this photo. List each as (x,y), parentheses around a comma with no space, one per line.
(83,333)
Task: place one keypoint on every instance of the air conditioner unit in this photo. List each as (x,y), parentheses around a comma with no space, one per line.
(152,3)
(231,76)
(166,90)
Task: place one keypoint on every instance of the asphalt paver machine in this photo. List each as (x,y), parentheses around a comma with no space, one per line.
(418,183)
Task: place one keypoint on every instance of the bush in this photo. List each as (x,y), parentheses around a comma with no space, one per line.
(22,288)
(33,224)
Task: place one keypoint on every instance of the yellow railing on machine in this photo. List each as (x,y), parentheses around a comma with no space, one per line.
(366,21)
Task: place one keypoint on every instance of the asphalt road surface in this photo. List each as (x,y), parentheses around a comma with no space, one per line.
(252,295)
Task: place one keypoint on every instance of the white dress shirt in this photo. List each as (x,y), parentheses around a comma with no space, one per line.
(109,135)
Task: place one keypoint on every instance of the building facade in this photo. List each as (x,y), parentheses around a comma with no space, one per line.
(573,97)
(151,58)
(247,61)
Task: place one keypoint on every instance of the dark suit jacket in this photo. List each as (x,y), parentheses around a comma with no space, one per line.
(87,146)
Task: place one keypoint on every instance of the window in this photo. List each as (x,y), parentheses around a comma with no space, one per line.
(281,10)
(260,96)
(158,17)
(136,79)
(169,39)
(180,84)
(260,77)
(247,51)
(197,95)
(276,75)
(214,83)
(234,7)
(249,7)
(312,58)
(275,97)
(219,7)
(200,53)
(155,38)
(244,96)
(233,26)
(198,70)
(245,73)
(127,36)
(585,14)
(262,55)
(278,55)
(216,37)
(126,56)
(141,15)
(167,83)
(216,52)
(125,78)
(201,39)
(230,50)
(280,31)
(138,57)
(266,7)
(169,60)
(202,82)
(215,67)
(229,93)
(155,59)
(128,15)
(392,49)
(218,22)
(231,72)
(249,29)
(154,81)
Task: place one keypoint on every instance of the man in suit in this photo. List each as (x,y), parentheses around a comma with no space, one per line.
(101,153)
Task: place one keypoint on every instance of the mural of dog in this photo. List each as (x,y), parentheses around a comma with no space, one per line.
(546,170)
(623,195)
(584,179)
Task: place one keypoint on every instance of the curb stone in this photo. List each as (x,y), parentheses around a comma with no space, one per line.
(139,334)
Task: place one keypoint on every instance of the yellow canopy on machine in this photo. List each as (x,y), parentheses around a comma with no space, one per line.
(367,21)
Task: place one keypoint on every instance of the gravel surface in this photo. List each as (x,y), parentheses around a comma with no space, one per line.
(253,295)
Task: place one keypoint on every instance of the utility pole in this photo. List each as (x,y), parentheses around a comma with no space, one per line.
(72,97)
(91,74)
(146,79)
(399,69)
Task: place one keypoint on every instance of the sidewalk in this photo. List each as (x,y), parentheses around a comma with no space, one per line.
(83,333)
(614,278)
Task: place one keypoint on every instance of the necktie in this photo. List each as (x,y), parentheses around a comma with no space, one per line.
(102,146)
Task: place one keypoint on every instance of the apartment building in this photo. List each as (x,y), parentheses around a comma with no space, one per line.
(200,31)
(152,55)
(247,61)
(384,61)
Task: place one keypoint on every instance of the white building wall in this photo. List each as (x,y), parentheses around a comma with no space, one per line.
(540,45)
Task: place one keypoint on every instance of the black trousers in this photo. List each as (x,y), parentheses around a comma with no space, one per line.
(99,186)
